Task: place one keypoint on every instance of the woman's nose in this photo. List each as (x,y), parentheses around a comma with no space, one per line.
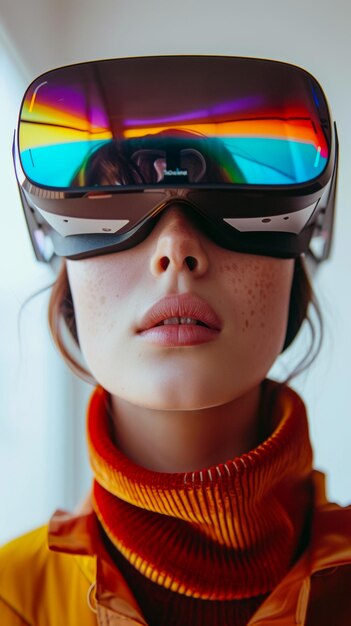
(179,245)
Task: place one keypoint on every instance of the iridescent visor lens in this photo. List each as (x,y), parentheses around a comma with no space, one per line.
(174,121)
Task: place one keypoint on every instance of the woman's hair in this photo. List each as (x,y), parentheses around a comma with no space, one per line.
(63,326)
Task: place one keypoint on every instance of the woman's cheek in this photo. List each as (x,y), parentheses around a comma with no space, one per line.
(259,289)
(99,286)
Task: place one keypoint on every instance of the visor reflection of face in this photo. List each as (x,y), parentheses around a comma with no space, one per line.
(185,157)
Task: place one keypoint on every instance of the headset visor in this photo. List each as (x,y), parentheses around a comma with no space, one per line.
(246,144)
(174,121)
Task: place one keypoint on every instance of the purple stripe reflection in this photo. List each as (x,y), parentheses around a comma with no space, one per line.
(218,109)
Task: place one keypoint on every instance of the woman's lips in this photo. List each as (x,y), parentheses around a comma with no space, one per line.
(180,320)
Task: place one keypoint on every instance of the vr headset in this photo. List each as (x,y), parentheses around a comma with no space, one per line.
(246,146)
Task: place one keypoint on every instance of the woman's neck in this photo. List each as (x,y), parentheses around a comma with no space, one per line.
(183,441)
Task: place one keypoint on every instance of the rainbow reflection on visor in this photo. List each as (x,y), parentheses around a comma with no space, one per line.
(97,125)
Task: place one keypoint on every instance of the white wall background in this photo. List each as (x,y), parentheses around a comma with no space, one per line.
(40,34)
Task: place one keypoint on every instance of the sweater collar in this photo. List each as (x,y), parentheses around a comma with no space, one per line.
(224,532)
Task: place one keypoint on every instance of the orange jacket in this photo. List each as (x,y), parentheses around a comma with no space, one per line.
(75,583)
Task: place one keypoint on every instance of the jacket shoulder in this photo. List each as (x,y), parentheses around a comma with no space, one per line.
(39,587)
(330,601)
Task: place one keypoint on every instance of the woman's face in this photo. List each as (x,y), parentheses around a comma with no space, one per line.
(121,301)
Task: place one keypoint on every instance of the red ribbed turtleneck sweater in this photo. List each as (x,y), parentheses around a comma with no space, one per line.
(206,547)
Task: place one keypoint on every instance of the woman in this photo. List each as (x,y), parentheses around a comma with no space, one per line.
(205,508)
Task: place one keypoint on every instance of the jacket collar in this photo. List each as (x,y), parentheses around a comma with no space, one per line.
(330,547)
